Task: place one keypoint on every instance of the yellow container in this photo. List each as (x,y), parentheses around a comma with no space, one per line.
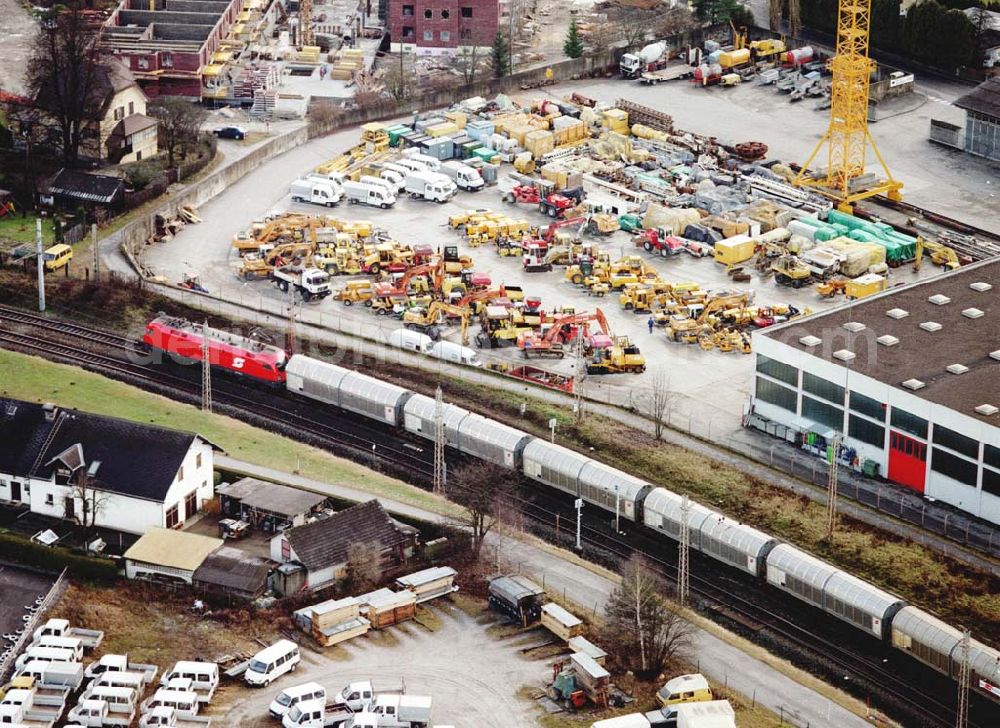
(644,132)
(730,59)
(442,129)
(614,117)
(734,250)
(865,285)
(539,142)
(458,118)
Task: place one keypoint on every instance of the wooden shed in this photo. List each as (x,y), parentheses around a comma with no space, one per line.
(582,644)
(592,678)
(384,607)
(429,583)
(561,623)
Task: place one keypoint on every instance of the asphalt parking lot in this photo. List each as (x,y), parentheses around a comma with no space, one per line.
(710,386)
(19,588)
(473,677)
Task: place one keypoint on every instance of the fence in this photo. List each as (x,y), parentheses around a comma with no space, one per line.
(7,663)
(358,337)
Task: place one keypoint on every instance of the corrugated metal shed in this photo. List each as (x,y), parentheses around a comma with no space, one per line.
(492,440)
(553,465)
(513,589)
(419,418)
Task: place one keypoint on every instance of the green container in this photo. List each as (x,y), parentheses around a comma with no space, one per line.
(484,153)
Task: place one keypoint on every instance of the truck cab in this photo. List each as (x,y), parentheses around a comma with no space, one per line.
(356,695)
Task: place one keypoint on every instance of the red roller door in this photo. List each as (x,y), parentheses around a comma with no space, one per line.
(907,461)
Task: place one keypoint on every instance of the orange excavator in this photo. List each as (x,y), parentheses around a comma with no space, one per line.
(474,299)
(433,271)
(562,330)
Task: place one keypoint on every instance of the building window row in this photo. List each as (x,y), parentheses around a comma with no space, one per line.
(774,393)
(953,466)
(822,413)
(866,431)
(868,406)
(991,456)
(408,12)
(903,420)
(991,482)
(778,370)
(822,388)
(952,440)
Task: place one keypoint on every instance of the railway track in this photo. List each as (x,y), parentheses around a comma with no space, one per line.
(252,405)
(895,695)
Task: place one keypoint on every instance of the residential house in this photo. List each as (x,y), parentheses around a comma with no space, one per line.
(70,189)
(101,471)
(314,556)
(117,129)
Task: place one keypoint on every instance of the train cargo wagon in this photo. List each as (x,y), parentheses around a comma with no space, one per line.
(419,419)
(861,604)
(984,663)
(735,543)
(662,511)
(492,441)
(798,573)
(611,488)
(315,379)
(553,465)
(373,398)
(926,638)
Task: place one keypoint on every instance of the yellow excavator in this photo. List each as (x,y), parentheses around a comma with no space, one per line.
(687,329)
(941,254)
(258,265)
(427,320)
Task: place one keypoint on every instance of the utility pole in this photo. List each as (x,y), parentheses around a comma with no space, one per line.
(579,518)
(41,264)
(683,554)
(962,715)
(206,370)
(581,369)
(440,475)
(831,498)
(290,331)
(97,255)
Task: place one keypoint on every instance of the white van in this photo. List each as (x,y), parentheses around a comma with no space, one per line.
(65,643)
(203,676)
(385,184)
(411,165)
(184,702)
(455,353)
(119,700)
(430,163)
(410,340)
(134,680)
(294,695)
(272,662)
(392,177)
(44,654)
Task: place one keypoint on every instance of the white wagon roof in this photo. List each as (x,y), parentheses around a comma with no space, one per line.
(926,629)
(852,590)
(801,565)
(555,457)
(738,535)
(371,389)
(316,370)
(491,432)
(667,503)
(606,478)
(422,406)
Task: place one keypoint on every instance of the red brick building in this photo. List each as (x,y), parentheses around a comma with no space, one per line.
(441,26)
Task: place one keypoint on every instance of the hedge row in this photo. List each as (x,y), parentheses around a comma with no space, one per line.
(53,559)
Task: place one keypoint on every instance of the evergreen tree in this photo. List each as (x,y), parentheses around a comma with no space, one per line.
(500,56)
(573,47)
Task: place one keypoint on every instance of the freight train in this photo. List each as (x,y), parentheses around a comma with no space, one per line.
(791,570)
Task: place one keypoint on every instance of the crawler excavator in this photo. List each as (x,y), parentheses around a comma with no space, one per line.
(427,320)
(562,330)
(687,329)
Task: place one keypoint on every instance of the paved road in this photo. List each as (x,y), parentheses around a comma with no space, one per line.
(18,30)
(719,660)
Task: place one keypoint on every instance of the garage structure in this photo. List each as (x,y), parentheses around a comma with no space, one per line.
(165,554)
(907,379)
(982,119)
(269,507)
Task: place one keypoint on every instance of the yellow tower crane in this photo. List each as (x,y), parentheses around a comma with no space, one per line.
(847,139)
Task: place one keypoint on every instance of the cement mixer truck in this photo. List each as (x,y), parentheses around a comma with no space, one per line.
(651,58)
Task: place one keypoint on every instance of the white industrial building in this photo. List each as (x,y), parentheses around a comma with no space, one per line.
(908,379)
(100,471)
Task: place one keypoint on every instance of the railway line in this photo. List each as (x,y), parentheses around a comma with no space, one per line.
(726,594)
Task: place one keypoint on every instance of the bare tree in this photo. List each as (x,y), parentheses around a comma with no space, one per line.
(93,501)
(658,403)
(180,121)
(602,36)
(467,62)
(65,75)
(364,564)
(645,629)
(399,78)
(634,24)
(774,14)
(482,489)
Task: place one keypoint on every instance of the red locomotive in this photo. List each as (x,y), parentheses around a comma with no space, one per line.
(231,352)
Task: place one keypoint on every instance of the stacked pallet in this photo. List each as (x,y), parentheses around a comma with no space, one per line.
(429,583)
(256,79)
(585,646)
(333,621)
(561,623)
(384,607)
(592,678)
(347,62)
